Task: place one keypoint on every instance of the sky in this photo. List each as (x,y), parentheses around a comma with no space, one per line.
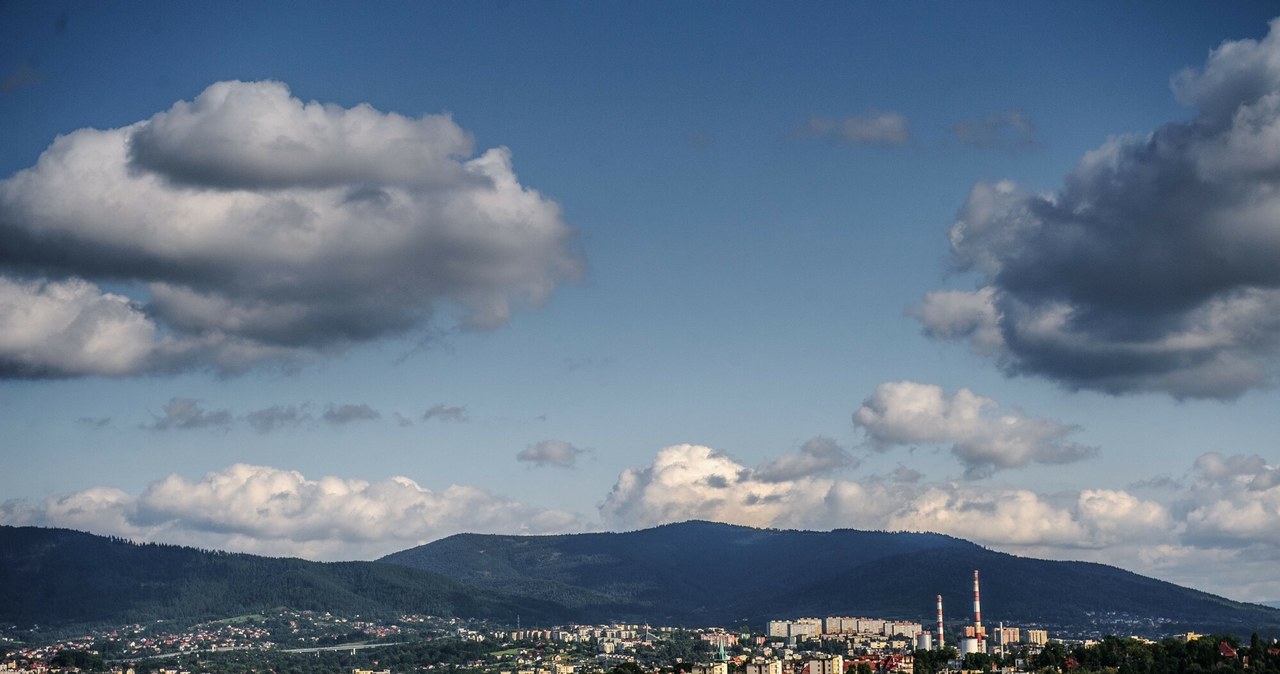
(336,281)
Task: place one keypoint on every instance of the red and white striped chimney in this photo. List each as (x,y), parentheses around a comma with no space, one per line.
(941,639)
(977,612)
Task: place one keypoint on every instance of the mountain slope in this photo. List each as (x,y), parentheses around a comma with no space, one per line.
(61,577)
(691,573)
(702,572)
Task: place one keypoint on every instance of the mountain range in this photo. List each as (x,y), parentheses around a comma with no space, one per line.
(710,573)
(59,578)
(693,573)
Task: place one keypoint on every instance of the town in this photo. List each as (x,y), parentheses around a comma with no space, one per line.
(287,641)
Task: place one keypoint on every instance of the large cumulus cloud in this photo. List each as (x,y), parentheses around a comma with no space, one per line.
(1216,532)
(1156,267)
(282,512)
(257,227)
(696,482)
(1215,527)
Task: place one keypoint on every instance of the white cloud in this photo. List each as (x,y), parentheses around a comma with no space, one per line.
(695,482)
(266,229)
(281,512)
(1234,501)
(57,328)
(959,314)
(1221,539)
(256,135)
(1000,516)
(551,453)
(984,437)
(1217,532)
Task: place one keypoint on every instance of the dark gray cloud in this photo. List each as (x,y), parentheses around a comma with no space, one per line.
(277,417)
(445,413)
(817,456)
(265,230)
(1156,267)
(551,453)
(188,414)
(1253,472)
(906,475)
(95,422)
(345,414)
(1010,130)
(1157,482)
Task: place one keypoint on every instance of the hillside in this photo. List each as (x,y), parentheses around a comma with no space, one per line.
(703,573)
(695,573)
(56,577)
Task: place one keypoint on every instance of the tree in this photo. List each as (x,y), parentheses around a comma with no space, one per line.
(980,661)
(79,659)
(627,668)
(1053,657)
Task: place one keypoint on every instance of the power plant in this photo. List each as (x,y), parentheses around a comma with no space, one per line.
(975,636)
(977,613)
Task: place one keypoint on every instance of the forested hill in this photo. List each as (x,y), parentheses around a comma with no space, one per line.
(708,573)
(695,573)
(57,577)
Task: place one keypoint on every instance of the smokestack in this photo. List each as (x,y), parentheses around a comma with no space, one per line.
(941,639)
(977,612)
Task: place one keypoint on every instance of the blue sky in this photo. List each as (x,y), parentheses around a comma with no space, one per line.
(267,284)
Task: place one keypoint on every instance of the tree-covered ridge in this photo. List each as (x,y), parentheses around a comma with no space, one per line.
(696,573)
(709,573)
(58,577)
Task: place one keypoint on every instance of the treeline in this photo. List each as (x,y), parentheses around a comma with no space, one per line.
(58,578)
(398,658)
(1210,653)
(700,573)
(1216,653)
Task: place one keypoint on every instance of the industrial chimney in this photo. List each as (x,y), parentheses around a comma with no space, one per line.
(941,639)
(977,613)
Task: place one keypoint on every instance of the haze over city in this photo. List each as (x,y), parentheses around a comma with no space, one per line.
(335,283)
